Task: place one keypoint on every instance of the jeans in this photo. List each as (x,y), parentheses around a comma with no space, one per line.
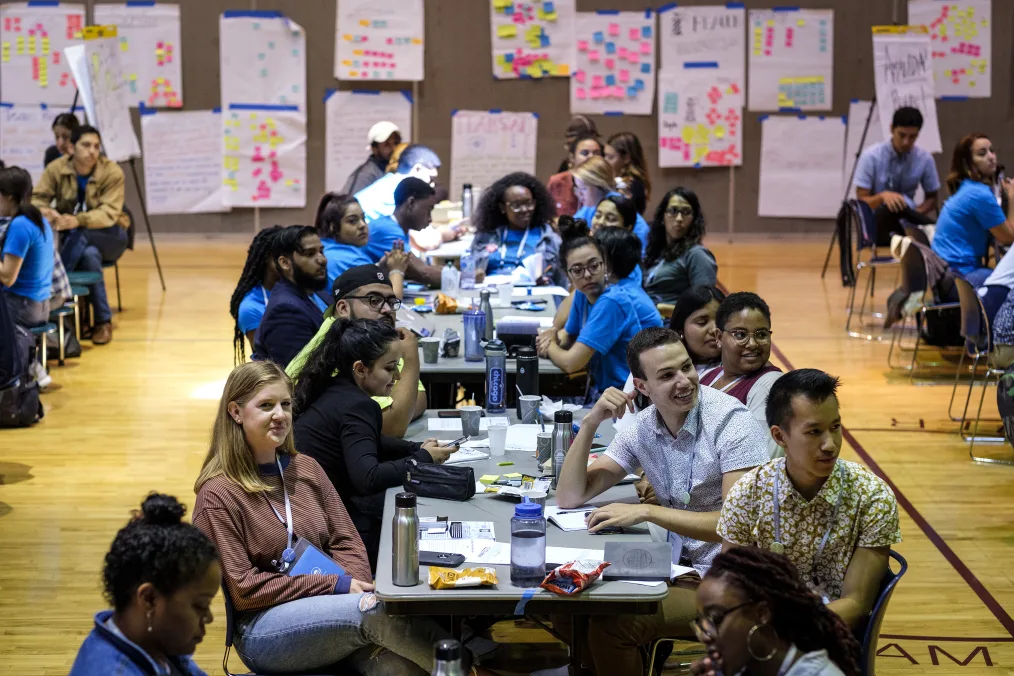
(91,261)
(27,312)
(321,631)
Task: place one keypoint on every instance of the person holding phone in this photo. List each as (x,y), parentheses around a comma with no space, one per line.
(340,425)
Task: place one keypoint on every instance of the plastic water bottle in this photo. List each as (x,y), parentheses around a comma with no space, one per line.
(466,200)
(496,377)
(447,658)
(468,263)
(405,531)
(449,280)
(475,326)
(487,309)
(528,545)
(563,434)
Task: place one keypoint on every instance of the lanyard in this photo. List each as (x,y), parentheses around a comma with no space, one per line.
(779,548)
(264,293)
(520,251)
(654,271)
(289,555)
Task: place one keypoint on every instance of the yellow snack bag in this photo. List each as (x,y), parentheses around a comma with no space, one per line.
(448,578)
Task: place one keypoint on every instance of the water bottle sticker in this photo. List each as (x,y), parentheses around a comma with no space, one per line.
(497,388)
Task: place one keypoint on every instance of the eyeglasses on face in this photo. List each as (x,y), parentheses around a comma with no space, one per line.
(762,336)
(592,268)
(377,302)
(685,212)
(520,207)
(707,626)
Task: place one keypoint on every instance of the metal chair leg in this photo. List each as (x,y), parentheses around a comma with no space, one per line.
(852,297)
(119,300)
(42,351)
(60,333)
(954,391)
(77,317)
(968,398)
(975,429)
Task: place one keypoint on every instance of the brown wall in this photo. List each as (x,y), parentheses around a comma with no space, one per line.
(458,75)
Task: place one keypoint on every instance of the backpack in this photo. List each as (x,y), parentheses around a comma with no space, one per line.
(20,405)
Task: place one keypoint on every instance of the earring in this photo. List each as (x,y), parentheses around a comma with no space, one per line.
(149,615)
(749,644)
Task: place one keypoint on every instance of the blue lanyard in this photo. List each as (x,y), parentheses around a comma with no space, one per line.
(778,547)
(289,555)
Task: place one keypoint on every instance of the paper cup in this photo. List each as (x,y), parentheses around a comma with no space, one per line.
(543,447)
(431,349)
(538,497)
(470,417)
(530,408)
(497,439)
(506,293)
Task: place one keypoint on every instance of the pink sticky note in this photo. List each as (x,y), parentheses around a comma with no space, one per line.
(624,76)
(646,48)
(593,55)
(614,29)
(580,76)
(618,92)
(621,52)
(635,34)
(610,62)
(580,94)
(596,81)
(582,45)
(633,56)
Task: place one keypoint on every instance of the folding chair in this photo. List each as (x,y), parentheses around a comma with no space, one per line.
(868,634)
(865,227)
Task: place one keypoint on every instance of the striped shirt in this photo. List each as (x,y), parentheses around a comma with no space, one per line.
(249,535)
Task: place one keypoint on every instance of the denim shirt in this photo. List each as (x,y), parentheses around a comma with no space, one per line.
(107,652)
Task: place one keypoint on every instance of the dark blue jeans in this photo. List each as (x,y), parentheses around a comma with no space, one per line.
(105,245)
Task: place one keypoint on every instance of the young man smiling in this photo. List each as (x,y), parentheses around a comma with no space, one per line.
(834,519)
(693,443)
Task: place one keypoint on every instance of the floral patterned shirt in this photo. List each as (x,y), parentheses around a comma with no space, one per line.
(866,517)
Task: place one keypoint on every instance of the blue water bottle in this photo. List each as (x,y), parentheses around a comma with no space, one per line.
(496,377)
(468,262)
(528,545)
(475,326)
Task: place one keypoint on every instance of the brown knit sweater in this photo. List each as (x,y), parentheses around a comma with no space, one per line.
(249,535)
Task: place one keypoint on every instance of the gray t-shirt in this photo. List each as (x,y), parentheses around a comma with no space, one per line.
(666,280)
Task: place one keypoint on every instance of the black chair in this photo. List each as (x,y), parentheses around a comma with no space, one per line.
(868,634)
(864,223)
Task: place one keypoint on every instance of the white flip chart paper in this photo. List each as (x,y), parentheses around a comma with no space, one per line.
(183,161)
(706,34)
(700,117)
(791,59)
(800,166)
(532,38)
(614,63)
(149,43)
(486,145)
(262,59)
(264,156)
(350,114)
(33,36)
(379,40)
(903,76)
(962,44)
(25,135)
(107,96)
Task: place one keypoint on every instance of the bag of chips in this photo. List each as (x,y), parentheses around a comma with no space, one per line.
(570,578)
(448,578)
(446,305)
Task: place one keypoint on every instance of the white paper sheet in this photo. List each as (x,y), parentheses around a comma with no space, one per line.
(523,437)
(466,455)
(539,291)
(379,40)
(470,530)
(960,34)
(903,75)
(707,34)
(486,145)
(262,59)
(32,39)
(532,38)
(108,94)
(568,519)
(25,134)
(700,118)
(800,166)
(150,47)
(791,59)
(454,424)
(183,161)
(350,115)
(264,156)
(614,63)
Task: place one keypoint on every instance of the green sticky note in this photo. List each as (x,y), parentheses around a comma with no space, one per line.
(487,479)
(504,464)
(513,475)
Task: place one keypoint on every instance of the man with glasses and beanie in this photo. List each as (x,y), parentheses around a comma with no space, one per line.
(365,292)
(834,519)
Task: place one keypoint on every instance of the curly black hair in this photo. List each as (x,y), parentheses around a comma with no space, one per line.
(258,257)
(738,301)
(155,546)
(489,213)
(658,247)
(797,614)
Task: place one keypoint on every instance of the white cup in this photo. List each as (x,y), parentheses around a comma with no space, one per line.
(506,293)
(497,439)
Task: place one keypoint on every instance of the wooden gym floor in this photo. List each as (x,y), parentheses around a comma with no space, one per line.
(135,415)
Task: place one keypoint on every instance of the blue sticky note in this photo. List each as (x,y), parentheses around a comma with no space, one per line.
(645,31)
(508,57)
(610,80)
(508,10)
(631,92)
(548,7)
(646,68)
(598,37)
(544,40)
(639,84)
(610,48)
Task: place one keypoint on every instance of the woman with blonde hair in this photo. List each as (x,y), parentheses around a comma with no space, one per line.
(594,180)
(624,152)
(257,499)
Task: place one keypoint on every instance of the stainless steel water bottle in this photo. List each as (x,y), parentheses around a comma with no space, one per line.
(563,434)
(405,533)
(487,309)
(447,658)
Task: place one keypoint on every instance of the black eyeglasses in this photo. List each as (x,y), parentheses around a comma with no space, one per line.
(707,626)
(685,212)
(592,268)
(376,301)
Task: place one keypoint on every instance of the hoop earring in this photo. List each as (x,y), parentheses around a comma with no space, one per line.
(749,644)
(152,612)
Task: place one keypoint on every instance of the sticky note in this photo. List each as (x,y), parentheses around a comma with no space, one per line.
(631,92)
(582,45)
(618,91)
(487,479)
(580,76)
(509,58)
(609,63)
(624,76)
(548,6)
(598,37)
(597,81)
(633,56)
(801,22)
(610,48)
(639,84)
(534,71)
(562,69)
(506,463)
(512,475)
(719,131)
(621,52)
(580,94)
(646,48)
(635,34)
(645,31)
(593,56)
(501,4)
(646,68)
(610,80)
(543,40)
(507,31)
(614,29)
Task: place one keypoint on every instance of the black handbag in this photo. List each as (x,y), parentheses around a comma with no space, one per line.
(445,482)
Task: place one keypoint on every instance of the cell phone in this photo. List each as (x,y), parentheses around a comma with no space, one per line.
(458,441)
(443,559)
(422,333)
(530,301)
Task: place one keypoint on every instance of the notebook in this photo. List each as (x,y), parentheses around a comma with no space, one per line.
(568,519)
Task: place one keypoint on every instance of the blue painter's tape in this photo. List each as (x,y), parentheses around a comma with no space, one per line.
(367,92)
(801,117)
(251,14)
(4,104)
(261,106)
(408,95)
(844,119)
(953,98)
(44,3)
(145,110)
(762,118)
(784,9)
(666,7)
(328,93)
(646,68)
(496,111)
(607,12)
(535,115)
(613,113)
(821,118)
(789,109)
(454,112)
(43,106)
(700,64)
(734,5)
(140,3)
(216,111)
(853,100)
(647,12)
(697,166)
(519,609)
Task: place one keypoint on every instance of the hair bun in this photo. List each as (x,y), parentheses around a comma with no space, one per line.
(162,510)
(572,228)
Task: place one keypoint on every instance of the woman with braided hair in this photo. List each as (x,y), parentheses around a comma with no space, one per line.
(250,298)
(756,616)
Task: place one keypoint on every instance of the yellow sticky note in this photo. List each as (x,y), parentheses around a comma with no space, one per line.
(346,37)
(507,31)
(971,83)
(513,475)
(801,22)
(562,69)
(501,4)
(947,73)
(31,44)
(487,479)
(416,41)
(500,59)
(507,67)
(547,16)
(365,23)
(534,71)
(700,152)
(357,52)
(20,42)
(719,131)
(45,45)
(771,22)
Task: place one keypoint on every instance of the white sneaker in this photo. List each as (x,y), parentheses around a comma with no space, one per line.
(40,374)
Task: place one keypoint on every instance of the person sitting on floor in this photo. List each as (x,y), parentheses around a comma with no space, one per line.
(415,200)
(81,195)
(26,256)
(746,372)
(756,616)
(675,259)
(344,233)
(160,576)
(338,423)
(581,141)
(251,479)
(64,125)
(513,223)
(622,252)
(377,199)
(979,206)
(593,182)
(383,138)
(298,300)
(889,173)
(250,297)
(693,318)
(693,443)
(365,292)
(624,153)
(834,519)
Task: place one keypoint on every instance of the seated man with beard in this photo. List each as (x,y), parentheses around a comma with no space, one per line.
(365,292)
(296,307)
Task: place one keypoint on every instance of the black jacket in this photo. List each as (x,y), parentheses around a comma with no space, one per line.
(342,431)
(290,321)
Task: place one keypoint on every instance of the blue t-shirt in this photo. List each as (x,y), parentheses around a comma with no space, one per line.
(341,257)
(377,199)
(510,253)
(319,302)
(606,327)
(881,168)
(383,233)
(647,314)
(35,249)
(251,308)
(641,228)
(962,231)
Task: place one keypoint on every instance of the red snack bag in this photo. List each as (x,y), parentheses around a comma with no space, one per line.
(570,578)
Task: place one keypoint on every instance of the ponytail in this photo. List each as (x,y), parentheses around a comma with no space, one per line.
(16,185)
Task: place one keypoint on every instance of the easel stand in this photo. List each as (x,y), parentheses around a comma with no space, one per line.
(147,221)
(848,186)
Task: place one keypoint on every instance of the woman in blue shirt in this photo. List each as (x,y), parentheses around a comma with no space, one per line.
(594,181)
(26,263)
(250,298)
(622,251)
(600,323)
(160,576)
(512,224)
(343,232)
(974,211)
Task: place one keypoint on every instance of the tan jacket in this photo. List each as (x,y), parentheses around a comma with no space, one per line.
(57,189)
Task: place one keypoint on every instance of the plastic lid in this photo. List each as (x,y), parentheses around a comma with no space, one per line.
(528,509)
(466,185)
(563,417)
(447,650)
(496,344)
(404,500)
